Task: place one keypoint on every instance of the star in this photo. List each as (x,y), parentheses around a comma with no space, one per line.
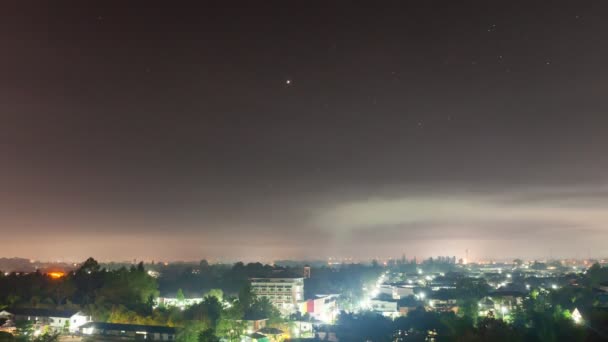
(288,82)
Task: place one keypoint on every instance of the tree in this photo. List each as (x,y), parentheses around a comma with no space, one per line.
(208,335)
(191,331)
(217,293)
(47,337)
(65,289)
(180,296)
(89,266)
(24,330)
(213,307)
(490,329)
(366,326)
(246,297)
(230,325)
(6,336)
(208,311)
(263,308)
(469,308)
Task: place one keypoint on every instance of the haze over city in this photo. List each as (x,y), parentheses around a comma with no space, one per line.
(275,132)
(312,171)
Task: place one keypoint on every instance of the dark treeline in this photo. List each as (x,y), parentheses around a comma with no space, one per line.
(196,280)
(99,291)
(127,293)
(420,325)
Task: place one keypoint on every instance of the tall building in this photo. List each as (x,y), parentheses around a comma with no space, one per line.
(284,293)
(306,271)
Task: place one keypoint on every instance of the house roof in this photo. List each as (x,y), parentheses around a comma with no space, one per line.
(129,327)
(507,293)
(256,336)
(42,312)
(254,317)
(270,331)
(487,301)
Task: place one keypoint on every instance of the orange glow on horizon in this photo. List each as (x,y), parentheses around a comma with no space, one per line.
(56,274)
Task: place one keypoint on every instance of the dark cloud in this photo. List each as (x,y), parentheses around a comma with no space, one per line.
(170,130)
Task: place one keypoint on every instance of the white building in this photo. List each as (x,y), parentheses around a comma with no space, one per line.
(174,302)
(284,293)
(386,289)
(386,307)
(57,320)
(323,307)
(402,291)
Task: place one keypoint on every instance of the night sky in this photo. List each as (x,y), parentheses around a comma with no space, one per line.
(264,130)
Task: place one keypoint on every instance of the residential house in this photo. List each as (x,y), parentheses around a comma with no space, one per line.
(57,320)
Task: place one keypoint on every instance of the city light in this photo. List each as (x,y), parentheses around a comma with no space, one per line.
(56,274)
(577,317)
(328,172)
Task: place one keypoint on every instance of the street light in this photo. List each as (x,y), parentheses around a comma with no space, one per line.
(503,310)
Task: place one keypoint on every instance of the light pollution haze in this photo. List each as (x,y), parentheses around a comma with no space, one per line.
(256,132)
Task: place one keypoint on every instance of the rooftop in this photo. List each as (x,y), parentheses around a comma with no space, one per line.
(129,327)
(42,312)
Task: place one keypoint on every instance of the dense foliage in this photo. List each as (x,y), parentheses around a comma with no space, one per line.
(125,294)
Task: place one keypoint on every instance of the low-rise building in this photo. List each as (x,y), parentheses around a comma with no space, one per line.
(385,306)
(443,305)
(322,308)
(409,303)
(254,323)
(505,301)
(101,330)
(402,291)
(302,329)
(178,303)
(57,320)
